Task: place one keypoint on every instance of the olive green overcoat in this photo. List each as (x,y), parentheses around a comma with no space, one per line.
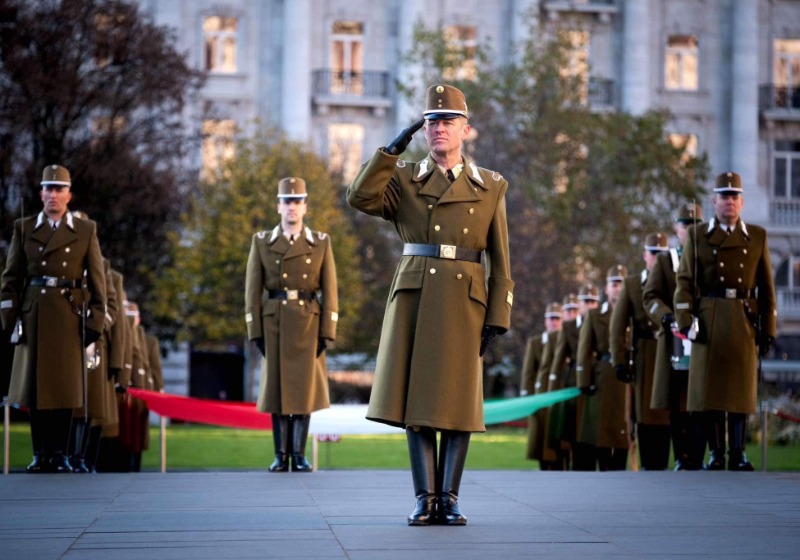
(51,356)
(531,364)
(723,370)
(294,380)
(629,312)
(603,423)
(428,370)
(564,417)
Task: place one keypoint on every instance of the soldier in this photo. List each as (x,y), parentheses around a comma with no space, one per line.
(671,378)
(603,425)
(291,310)
(53,291)
(563,374)
(633,332)
(441,314)
(534,379)
(725,303)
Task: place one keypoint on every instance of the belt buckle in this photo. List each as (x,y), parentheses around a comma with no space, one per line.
(730,293)
(50,281)
(292,295)
(447,252)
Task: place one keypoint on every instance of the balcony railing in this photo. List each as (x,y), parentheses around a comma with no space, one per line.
(788,303)
(785,213)
(353,84)
(771,96)
(601,93)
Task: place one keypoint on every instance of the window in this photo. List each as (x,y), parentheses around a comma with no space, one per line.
(680,67)
(577,65)
(347,57)
(462,42)
(787,275)
(106,128)
(345,149)
(220,44)
(787,62)
(686,141)
(218,147)
(111,42)
(786,169)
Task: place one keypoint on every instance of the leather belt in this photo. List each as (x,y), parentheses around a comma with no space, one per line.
(291,295)
(730,293)
(450,252)
(53,282)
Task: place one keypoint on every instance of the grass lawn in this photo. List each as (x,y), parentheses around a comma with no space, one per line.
(196,447)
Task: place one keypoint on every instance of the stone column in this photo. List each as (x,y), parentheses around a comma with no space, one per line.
(636,64)
(296,70)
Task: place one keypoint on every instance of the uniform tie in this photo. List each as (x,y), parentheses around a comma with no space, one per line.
(450,176)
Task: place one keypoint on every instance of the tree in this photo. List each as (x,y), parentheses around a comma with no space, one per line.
(99,88)
(202,292)
(586,187)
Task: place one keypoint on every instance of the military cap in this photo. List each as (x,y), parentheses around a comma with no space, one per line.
(444,102)
(55,175)
(616,273)
(690,213)
(589,292)
(553,310)
(292,187)
(656,242)
(728,182)
(570,302)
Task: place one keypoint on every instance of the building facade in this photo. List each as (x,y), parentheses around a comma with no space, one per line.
(325,72)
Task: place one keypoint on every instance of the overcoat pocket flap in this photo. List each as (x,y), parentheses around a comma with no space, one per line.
(407,280)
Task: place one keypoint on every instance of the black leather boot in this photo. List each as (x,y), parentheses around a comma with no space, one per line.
(77,444)
(298,427)
(452,456)
(697,441)
(679,432)
(716,440)
(93,448)
(40,462)
(422,454)
(280,436)
(737,433)
(59,463)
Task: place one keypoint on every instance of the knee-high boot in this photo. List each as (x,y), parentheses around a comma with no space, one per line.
(737,433)
(452,456)
(78,443)
(280,437)
(40,462)
(298,427)
(93,447)
(716,439)
(422,454)
(698,441)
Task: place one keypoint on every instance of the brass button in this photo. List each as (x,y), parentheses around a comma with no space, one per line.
(41,249)
(301,302)
(305,276)
(430,206)
(44,263)
(740,280)
(741,265)
(721,264)
(437,228)
(66,250)
(471,210)
(308,261)
(459,276)
(42,291)
(745,251)
(433,271)
(466,231)
(285,275)
(64,263)
(277,261)
(284,302)
(721,278)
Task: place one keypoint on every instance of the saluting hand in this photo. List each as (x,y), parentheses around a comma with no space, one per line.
(399,144)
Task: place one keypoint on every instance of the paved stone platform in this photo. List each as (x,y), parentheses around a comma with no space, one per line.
(360,514)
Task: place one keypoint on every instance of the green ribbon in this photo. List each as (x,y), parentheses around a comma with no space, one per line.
(507,410)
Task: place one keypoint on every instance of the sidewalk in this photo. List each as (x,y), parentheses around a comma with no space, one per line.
(361,515)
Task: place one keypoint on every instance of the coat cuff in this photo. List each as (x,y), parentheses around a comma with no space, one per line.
(501,298)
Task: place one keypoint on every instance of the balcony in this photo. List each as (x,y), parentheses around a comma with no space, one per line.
(601,94)
(788,303)
(603,9)
(351,89)
(779,102)
(785,213)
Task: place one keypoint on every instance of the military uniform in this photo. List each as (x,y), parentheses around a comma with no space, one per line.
(632,328)
(725,281)
(603,425)
(670,384)
(282,309)
(443,304)
(43,286)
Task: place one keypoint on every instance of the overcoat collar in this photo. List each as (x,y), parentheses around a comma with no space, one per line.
(464,189)
(52,240)
(643,276)
(282,245)
(717,236)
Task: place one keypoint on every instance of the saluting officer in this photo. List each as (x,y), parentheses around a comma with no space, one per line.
(603,426)
(441,313)
(291,311)
(632,330)
(43,288)
(671,379)
(725,289)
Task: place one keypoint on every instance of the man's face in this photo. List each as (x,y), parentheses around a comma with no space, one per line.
(292,210)
(727,207)
(446,135)
(613,288)
(569,314)
(682,231)
(649,259)
(552,324)
(55,199)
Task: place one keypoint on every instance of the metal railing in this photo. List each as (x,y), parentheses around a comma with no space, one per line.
(771,96)
(785,213)
(348,83)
